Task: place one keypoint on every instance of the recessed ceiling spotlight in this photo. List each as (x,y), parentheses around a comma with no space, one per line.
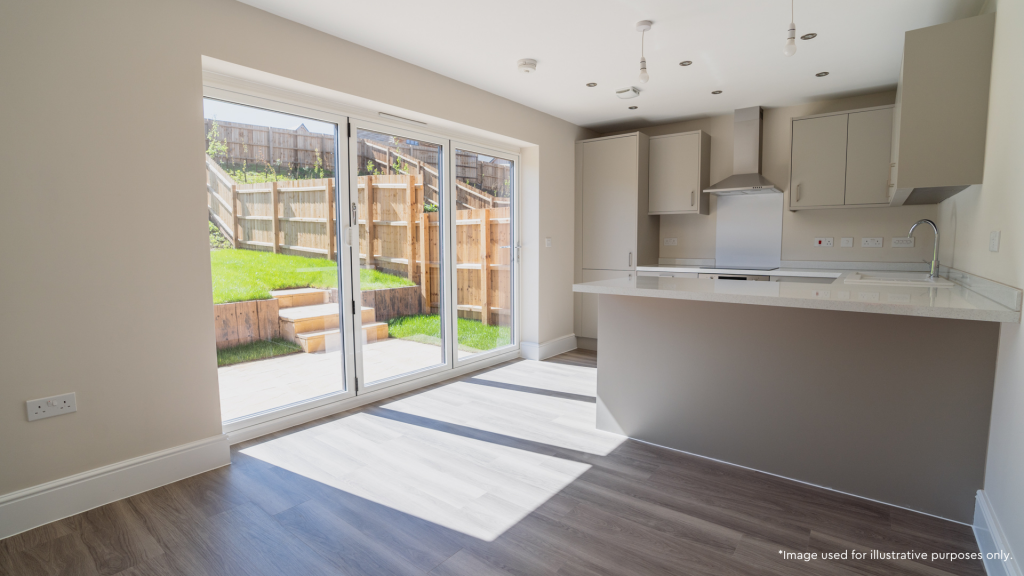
(821,74)
(527,65)
(685,63)
(810,36)
(633,107)
(717,92)
(591,84)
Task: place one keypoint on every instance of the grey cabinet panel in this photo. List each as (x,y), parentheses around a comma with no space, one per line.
(610,188)
(867,157)
(588,307)
(818,175)
(676,174)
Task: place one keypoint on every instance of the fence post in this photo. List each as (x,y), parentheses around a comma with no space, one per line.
(236,225)
(485,266)
(275,225)
(410,222)
(369,221)
(330,218)
(425,261)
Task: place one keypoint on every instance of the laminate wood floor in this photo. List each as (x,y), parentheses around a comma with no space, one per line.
(495,474)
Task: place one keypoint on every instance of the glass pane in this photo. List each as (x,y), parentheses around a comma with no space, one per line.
(270,191)
(483,235)
(400,240)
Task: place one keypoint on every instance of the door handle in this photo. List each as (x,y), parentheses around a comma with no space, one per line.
(691,197)
(798,193)
(630,259)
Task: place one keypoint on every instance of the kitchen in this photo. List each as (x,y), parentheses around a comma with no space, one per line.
(784,299)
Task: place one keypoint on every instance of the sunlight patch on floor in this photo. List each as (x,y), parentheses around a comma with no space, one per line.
(472,457)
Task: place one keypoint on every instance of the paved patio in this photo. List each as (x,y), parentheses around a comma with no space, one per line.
(266,384)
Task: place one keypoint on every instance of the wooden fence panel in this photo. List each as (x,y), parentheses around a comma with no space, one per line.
(395,236)
(264,145)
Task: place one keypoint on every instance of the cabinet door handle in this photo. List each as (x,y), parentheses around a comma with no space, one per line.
(798,193)
(691,197)
(630,259)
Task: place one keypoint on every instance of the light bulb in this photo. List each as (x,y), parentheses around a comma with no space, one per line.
(790,48)
(644,76)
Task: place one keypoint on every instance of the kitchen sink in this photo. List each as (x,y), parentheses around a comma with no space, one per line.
(914,279)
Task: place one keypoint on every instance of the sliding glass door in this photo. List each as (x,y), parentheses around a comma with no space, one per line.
(348,256)
(399,197)
(486,240)
(272,184)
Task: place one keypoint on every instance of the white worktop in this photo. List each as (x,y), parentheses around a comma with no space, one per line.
(956,302)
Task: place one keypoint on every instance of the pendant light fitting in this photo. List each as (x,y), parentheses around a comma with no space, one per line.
(642,27)
(790,48)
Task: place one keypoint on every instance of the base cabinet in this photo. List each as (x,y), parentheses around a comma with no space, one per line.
(588,302)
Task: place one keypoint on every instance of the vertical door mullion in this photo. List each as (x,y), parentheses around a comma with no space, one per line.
(450,259)
(355,327)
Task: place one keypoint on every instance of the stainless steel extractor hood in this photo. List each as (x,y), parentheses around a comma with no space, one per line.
(746,158)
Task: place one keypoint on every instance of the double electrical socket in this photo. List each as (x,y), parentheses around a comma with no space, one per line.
(671,241)
(52,406)
(871,242)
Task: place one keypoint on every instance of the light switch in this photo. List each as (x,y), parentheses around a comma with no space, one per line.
(846,242)
(993,241)
(547,242)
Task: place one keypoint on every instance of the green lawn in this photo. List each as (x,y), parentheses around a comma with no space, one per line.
(256,351)
(473,336)
(240,275)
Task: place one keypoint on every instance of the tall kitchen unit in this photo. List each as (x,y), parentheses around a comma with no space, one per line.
(616,232)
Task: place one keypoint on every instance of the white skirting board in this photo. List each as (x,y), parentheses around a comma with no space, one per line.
(545,350)
(999,560)
(45,503)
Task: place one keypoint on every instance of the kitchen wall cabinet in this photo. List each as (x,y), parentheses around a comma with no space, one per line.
(841,160)
(869,135)
(818,175)
(941,114)
(617,232)
(680,169)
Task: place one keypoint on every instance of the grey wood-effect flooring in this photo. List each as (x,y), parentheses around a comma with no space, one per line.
(498,473)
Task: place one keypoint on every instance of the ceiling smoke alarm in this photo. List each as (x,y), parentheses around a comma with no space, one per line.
(527,65)
(627,93)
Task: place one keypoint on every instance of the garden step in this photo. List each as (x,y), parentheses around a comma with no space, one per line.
(330,340)
(294,297)
(369,316)
(375,331)
(296,320)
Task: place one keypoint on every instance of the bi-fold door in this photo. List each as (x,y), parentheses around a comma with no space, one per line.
(365,255)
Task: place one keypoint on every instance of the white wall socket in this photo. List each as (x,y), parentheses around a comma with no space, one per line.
(902,242)
(846,242)
(547,242)
(823,242)
(993,241)
(871,242)
(671,241)
(52,406)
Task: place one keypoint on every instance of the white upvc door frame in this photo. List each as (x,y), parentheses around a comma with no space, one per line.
(250,93)
(341,178)
(515,250)
(445,252)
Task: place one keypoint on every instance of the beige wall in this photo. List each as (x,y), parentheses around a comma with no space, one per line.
(106,278)
(696,234)
(998,204)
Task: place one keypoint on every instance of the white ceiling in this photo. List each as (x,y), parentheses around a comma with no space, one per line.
(735,46)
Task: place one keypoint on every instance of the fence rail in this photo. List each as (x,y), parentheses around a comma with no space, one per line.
(396,235)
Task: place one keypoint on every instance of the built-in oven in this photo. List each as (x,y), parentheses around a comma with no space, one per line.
(748,277)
